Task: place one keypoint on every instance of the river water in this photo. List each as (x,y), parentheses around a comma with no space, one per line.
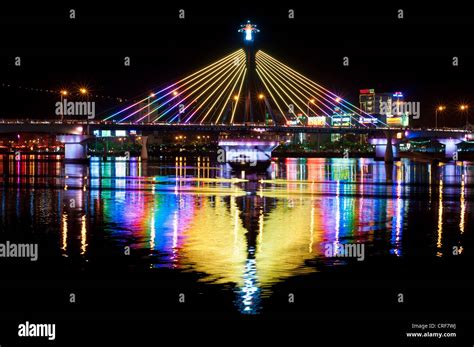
(196,226)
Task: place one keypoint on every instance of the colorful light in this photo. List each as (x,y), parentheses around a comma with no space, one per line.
(248,29)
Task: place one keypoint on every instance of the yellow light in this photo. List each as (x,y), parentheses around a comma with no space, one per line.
(261,96)
(240,89)
(236,98)
(312,101)
(338,99)
(175,93)
(152,95)
(441,108)
(64,92)
(230,78)
(214,73)
(463,107)
(83,90)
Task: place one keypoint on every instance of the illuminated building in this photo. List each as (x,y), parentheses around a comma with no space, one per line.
(317,121)
(387,107)
(342,119)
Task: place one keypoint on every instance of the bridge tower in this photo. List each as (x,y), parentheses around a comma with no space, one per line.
(249,30)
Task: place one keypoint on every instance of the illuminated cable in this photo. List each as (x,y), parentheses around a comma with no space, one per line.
(280,80)
(199,107)
(271,95)
(329,100)
(228,71)
(229,67)
(231,92)
(207,70)
(312,85)
(208,77)
(238,95)
(289,97)
(294,89)
(236,74)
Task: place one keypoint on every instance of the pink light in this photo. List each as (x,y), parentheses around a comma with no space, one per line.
(246,143)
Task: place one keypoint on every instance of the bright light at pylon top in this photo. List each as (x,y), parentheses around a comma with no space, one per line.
(249,30)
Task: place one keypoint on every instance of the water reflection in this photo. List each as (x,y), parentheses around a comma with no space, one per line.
(196,216)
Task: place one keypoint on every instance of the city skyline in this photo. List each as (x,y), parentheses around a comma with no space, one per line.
(372,62)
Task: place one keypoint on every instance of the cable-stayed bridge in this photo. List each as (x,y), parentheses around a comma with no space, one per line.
(222,93)
(246,92)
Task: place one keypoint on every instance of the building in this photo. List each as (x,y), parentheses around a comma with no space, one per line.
(386,107)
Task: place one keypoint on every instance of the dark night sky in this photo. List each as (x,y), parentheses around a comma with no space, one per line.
(412,55)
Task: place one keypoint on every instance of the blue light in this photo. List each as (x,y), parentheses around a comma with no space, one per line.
(248,34)
(248,29)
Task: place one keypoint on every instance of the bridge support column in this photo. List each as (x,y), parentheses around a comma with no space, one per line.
(144,153)
(388,148)
(75,147)
(450,147)
(384,148)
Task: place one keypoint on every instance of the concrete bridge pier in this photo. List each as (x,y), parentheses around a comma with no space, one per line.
(75,147)
(384,148)
(388,158)
(450,147)
(144,152)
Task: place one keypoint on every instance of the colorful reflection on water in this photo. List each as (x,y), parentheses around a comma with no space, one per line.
(195,216)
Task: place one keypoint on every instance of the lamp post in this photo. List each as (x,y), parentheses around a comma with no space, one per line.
(234,101)
(438,109)
(465,108)
(262,97)
(84,92)
(176,95)
(63,94)
(152,95)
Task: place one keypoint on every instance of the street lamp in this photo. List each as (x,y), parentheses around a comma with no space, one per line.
(234,101)
(152,95)
(438,109)
(63,93)
(465,108)
(175,94)
(83,91)
(266,107)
